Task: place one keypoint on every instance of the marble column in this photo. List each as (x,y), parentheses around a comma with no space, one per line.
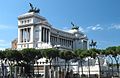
(46,35)
(49,36)
(26,35)
(43,34)
(31,34)
(40,36)
(23,35)
(19,35)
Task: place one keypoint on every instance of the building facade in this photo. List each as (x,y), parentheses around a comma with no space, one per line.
(34,31)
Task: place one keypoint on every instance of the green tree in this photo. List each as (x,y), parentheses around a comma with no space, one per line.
(2,55)
(50,54)
(38,54)
(66,55)
(91,53)
(113,51)
(13,56)
(118,58)
(107,53)
(80,57)
(87,54)
(28,55)
(96,53)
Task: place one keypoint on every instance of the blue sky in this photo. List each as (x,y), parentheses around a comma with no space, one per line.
(98,19)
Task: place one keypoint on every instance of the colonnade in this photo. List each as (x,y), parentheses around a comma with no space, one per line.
(61,41)
(27,34)
(45,35)
(24,34)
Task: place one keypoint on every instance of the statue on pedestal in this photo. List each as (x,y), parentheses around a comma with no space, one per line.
(74,26)
(33,9)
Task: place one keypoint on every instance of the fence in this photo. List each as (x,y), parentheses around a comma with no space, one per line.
(43,71)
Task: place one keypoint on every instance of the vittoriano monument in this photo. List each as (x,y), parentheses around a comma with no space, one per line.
(33,9)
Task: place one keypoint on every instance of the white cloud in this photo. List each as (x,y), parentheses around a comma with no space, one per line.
(7,27)
(114,26)
(95,28)
(81,29)
(4,43)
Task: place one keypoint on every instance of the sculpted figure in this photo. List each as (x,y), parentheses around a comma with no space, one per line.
(33,9)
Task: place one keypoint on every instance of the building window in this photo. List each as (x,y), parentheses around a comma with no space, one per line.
(21,22)
(27,21)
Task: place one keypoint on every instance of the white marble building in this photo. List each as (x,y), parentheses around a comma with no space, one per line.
(34,31)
